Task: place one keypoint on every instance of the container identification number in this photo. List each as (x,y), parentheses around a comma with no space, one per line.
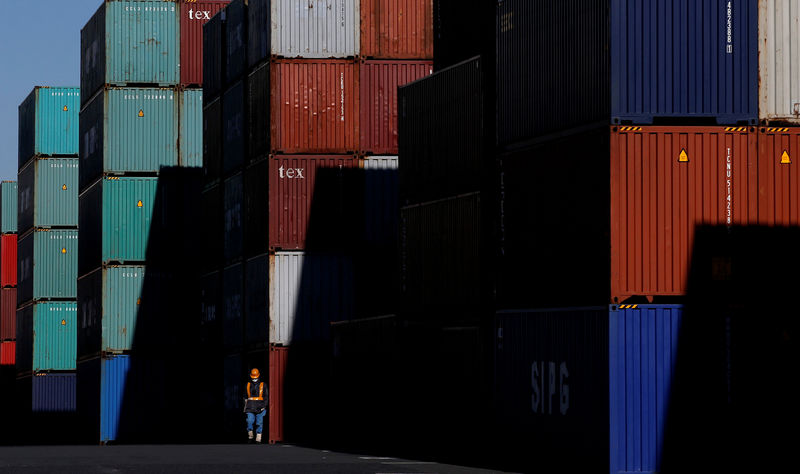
(729,188)
(542,397)
(729,31)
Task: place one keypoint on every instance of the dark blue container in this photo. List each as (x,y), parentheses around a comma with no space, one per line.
(53,393)
(684,59)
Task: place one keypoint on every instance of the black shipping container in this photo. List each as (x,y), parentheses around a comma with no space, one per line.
(259,31)
(256,298)
(210,311)
(258,111)
(461,31)
(233,308)
(213,57)
(234,128)
(90,143)
(256,208)
(213,223)
(212,142)
(233,210)
(235,40)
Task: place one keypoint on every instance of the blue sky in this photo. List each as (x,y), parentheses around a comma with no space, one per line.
(40,45)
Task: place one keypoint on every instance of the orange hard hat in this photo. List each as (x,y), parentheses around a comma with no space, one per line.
(254,374)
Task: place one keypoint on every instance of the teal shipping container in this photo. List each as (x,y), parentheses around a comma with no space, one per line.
(128,42)
(128,130)
(48,123)
(47,265)
(191,128)
(47,334)
(115,218)
(8,203)
(48,193)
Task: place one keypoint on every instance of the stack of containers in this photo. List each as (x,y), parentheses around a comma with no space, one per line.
(8,280)
(48,249)
(140,159)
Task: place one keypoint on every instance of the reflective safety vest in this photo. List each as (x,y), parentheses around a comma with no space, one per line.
(256,397)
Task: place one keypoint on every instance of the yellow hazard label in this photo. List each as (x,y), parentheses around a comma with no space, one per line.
(785,158)
(65,108)
(629,306)
(778,129)
(139,204)
(64,250)
(630,129)
(64,187)
(735,129)
(141,113)
(63,322)
(138,301)
(683,157)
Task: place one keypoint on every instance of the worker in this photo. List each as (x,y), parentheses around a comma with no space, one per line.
(255,405)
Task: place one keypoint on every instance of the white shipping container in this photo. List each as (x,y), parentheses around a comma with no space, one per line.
(316,28)
(779,60)
(306,293)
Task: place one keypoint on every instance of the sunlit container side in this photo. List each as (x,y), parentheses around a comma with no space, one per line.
(379,81)
(664,182)
(234,131)
(47,336)
(306,293)
(675,59)
(48,193)
(115,215)
(778,176)
(8,258)
(8,314)
(53,393)
(397,29)
(233,376)
(233,209)
(8,207)
(190,144)
(48,123)
(313,201)
(128,130)
(461,33)
(566,83)
(315,106)
(256,208)
(194,15)
(130,42)
(8,353)
(48,264)
(211,310)
(441,132)
(212,142)
(235,40)
(315,29)
(233,307)
(214,56)
(256,295)
(258,112)
(259,32)
(278,361)
(778,46)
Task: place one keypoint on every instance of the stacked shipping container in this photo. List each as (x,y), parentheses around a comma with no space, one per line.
(8,281)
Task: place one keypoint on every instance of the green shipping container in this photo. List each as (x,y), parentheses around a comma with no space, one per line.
(48,123)
(48,193)
(191,128)
(48,335)
(8,203)
(47,265)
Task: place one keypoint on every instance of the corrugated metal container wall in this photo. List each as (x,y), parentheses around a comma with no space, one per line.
(382,210)
(378,102)
(48,123)
(235,40)
(128,130)
(314,106)
(233,307)
(48,193)
(234,134)
(8,314)
(258,110)
(461,33)
(54,393)
(441,134)
(552,388)
(306,293)
(779,98)
(48,264)
(310,191)
(25,338)
(315,29)
(191,128)
(256,208)
(232,379)
(54,335)
(194,15)
(233,237)
(571,40)
(115,218)
(674,59)
(256,306)
(212,220)
(778,177)
(259,32)
(210,309)
(397,29)
(213,59)
(643,345)
(657,200)
(278,361)
(8,353)
(8,255)
(8,203)
(212,141)
(129,42)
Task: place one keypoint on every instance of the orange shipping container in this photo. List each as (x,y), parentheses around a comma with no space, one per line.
(314,106)
(397,29)
(779,176)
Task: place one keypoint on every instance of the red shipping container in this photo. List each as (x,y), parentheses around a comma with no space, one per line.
(311,189)
(8,353)
(664,182)
(278,357)
(314,106)
(8,314)
(778,176)
(397,29)
(195,14)
(379,81)
(8,260)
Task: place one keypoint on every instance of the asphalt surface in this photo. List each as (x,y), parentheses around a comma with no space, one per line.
(208,459)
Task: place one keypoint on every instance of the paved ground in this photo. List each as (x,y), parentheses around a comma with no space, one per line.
(207,459)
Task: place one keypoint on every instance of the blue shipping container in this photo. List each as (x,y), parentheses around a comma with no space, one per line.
(8,205)
(48,193)
(191,128)
(54,393)
(47,265)
(48,123)
(684,59)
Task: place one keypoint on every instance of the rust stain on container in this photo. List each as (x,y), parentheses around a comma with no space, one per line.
(397,29)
